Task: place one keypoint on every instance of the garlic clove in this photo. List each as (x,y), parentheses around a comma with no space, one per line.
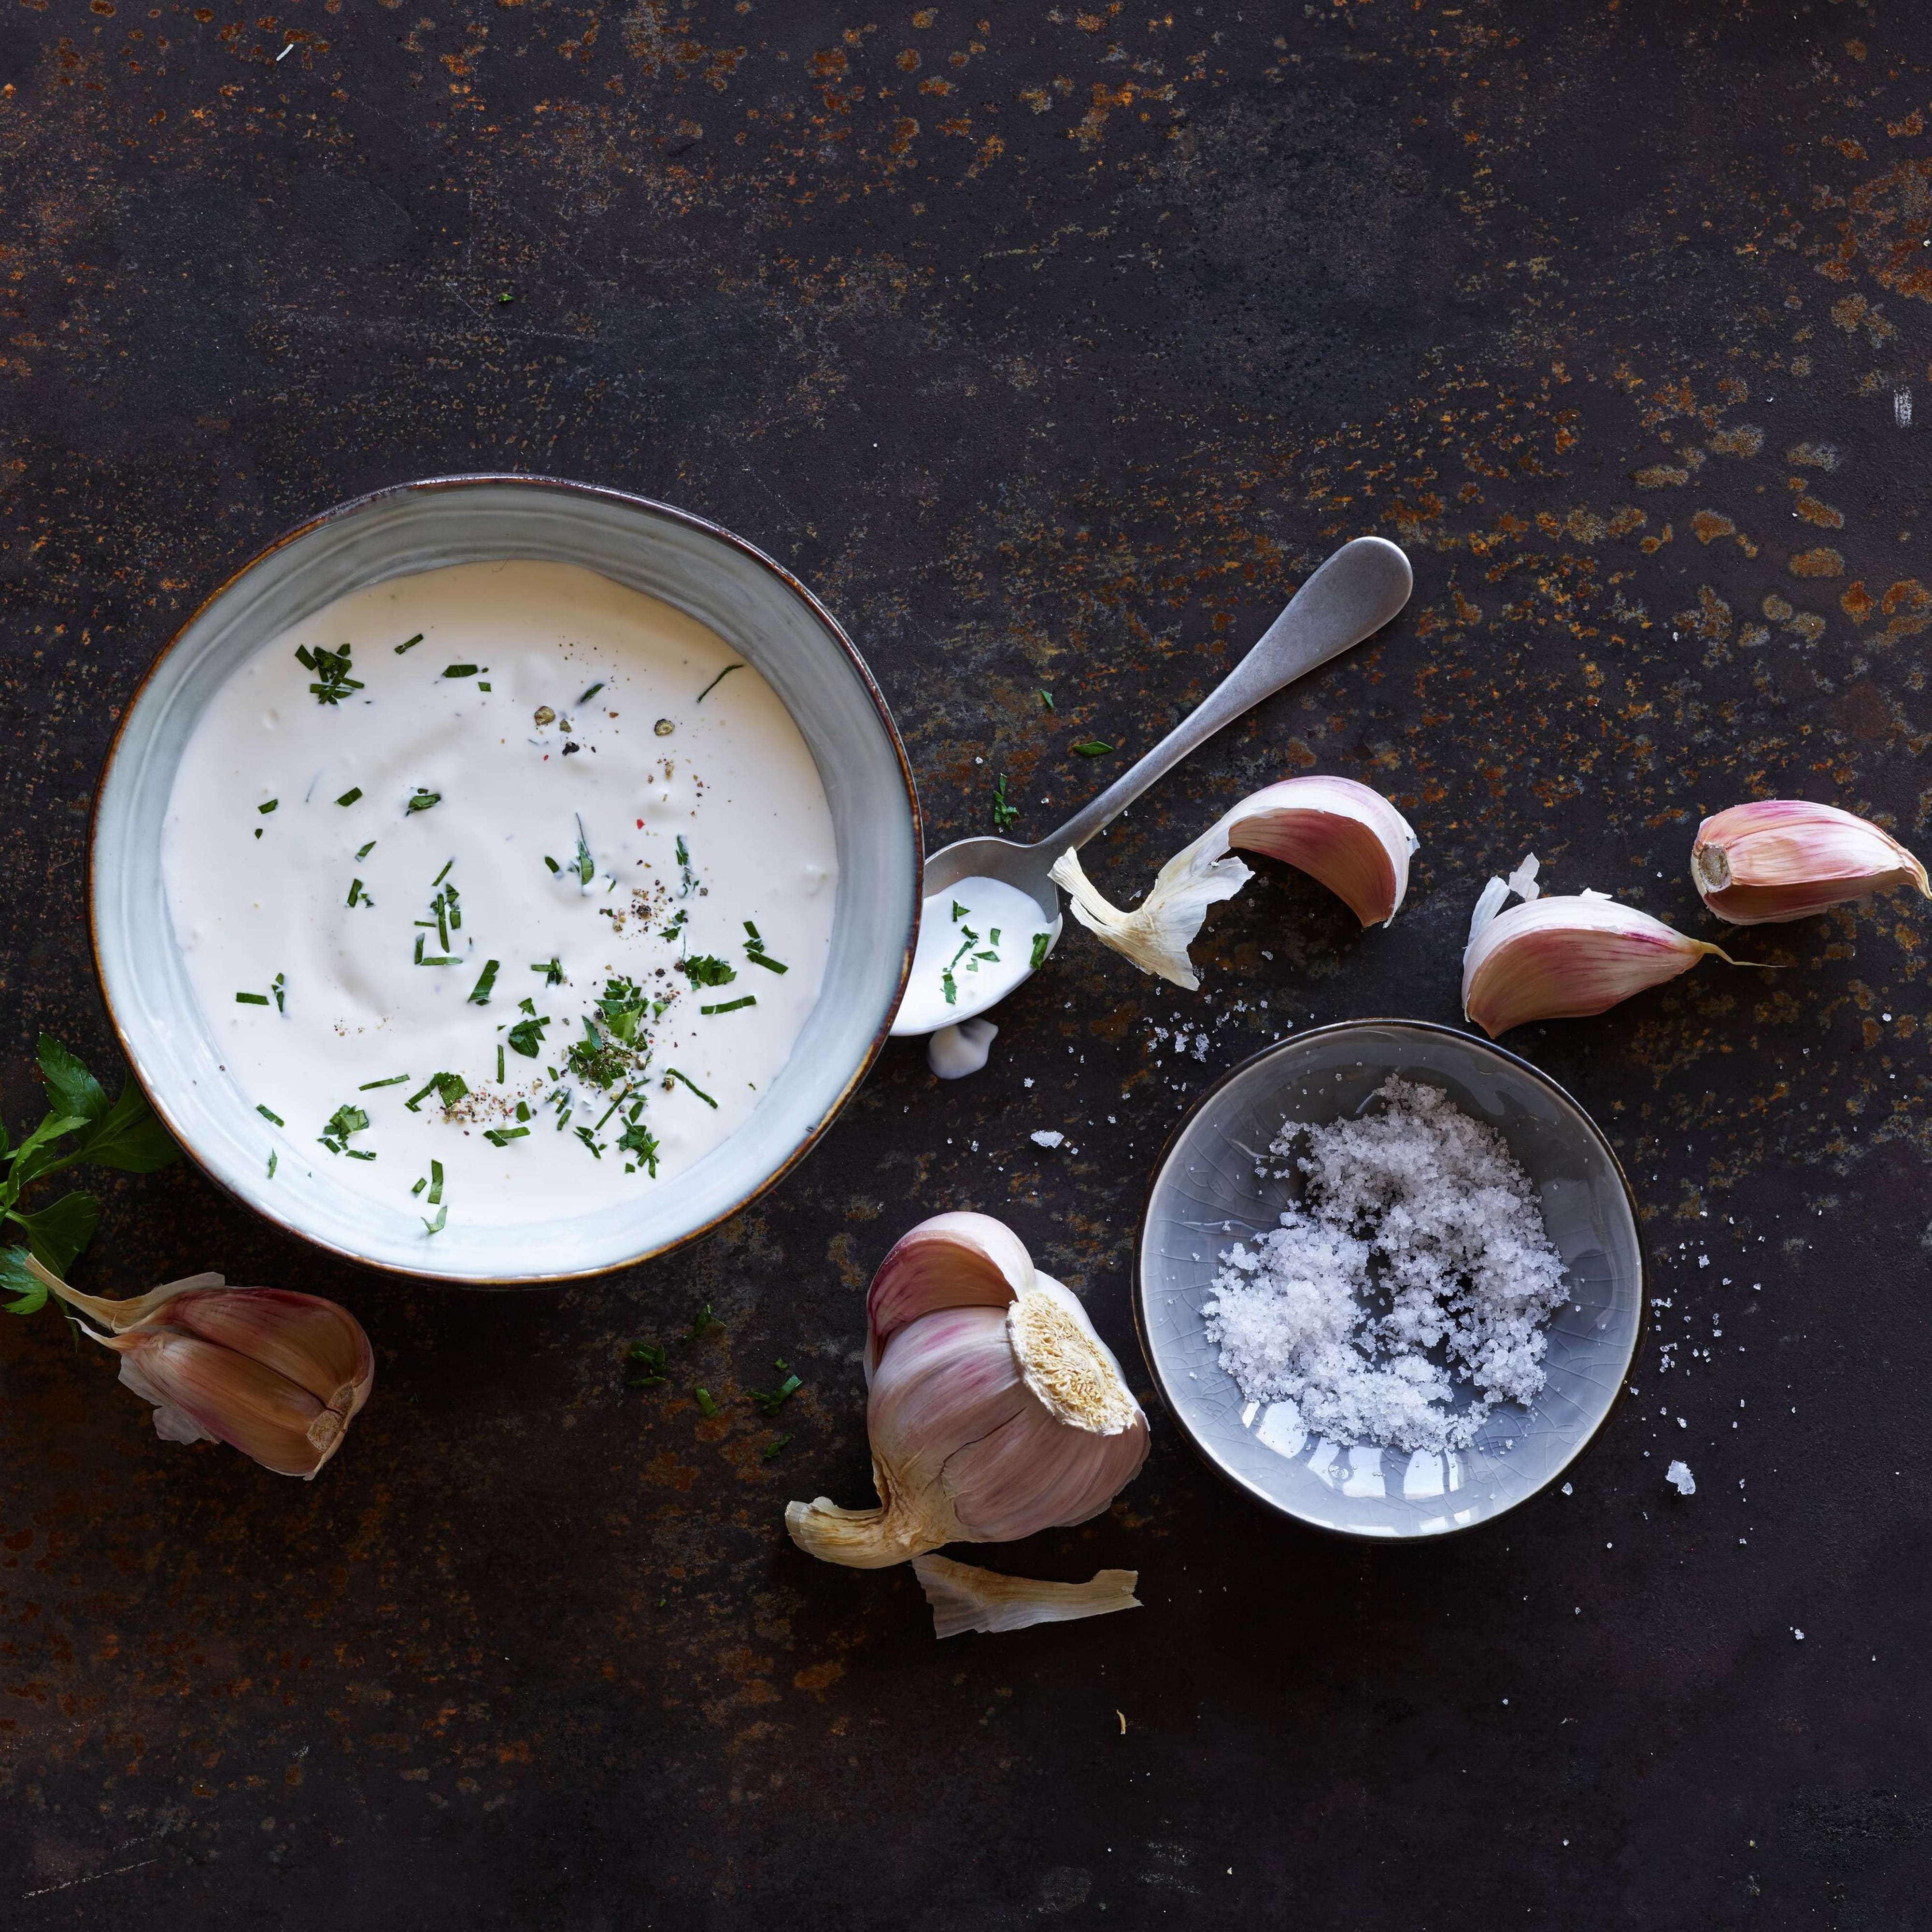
(966,1598)
(952,1261)
(225,1397)
(1345,835)
(1778,858)
(1565,956)
(276,1374)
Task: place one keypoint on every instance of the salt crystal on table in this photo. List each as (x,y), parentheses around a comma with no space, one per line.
(1045,1137)
(1679,1475)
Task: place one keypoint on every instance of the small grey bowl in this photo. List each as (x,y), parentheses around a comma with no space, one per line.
(1206,1194)
(760,609)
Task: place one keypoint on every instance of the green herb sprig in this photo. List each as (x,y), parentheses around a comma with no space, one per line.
(82,1125)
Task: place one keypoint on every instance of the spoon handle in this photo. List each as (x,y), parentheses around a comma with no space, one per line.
(1353,594)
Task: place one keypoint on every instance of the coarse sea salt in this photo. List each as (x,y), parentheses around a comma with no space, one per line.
(1416,1204)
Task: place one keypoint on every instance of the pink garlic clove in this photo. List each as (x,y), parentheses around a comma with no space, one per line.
(1777,858)
(952,1261)
(1345,835)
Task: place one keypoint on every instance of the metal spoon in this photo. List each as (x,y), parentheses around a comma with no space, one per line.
(1351,597)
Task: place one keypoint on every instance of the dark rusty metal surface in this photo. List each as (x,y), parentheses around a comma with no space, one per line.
(1052,345)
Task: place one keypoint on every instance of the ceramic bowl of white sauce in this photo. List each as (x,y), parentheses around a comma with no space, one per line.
(1217,1184)
(502,881)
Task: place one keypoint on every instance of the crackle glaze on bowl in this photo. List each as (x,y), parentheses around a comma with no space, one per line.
(1206,1194)
(759,609)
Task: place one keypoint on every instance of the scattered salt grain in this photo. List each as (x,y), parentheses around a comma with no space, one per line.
(1045,1137)
(1679,1476)
(1419,1206)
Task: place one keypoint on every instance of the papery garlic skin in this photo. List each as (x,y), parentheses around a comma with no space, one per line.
(1346,834)
(965,1598)
(994,1409)
(1777,858)
(276,1374)
(1565,956)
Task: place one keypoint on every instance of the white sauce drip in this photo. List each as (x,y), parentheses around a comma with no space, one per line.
(985,907)
(733,778)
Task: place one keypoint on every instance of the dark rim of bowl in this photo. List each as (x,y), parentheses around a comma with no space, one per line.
(669,513)
(1137,1296)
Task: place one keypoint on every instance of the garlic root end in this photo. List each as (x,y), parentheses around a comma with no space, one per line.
(864,1539)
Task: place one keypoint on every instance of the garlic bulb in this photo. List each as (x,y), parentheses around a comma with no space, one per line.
(278,1375)
(965,1598)
(994,1409)
(1344,834)
(1564,957)
(1785,858)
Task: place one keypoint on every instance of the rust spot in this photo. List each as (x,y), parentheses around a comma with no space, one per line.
(1821,562)
(1744,440)
(1856,603)
(1709,527)
(819,1676)
(1659,476)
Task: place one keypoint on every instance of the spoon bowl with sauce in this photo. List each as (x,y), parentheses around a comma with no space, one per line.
(992,913)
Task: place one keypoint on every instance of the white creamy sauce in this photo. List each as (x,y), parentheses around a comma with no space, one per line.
(977,941)
(535,780)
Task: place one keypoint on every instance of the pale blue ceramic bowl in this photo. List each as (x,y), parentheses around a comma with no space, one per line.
(759,608)
(1206,1194)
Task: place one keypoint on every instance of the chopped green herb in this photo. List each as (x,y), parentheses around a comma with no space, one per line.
(449,1088)
(503,1136)
(333,683)
(1041,941)
(280,989)
(393,1080)
(552,969)
(717,681)
(552,863)
(251,999)
(441,1221)
(592,692)
(480,685)
(420,1184)
(671,1073)
(441,876)
(267,1116)
(638,1139)
(423,800)
(1046,698)
(586,866)
(265,809)
(590,1141)
(650,1357)
(1005,814)
(703,969)
(702,1323)
(479,995)
(350,796)
(435,1182)
(705,1404)
(959,911)
(621,1004)
(731,1006)
(364,852)
(1092,748)
(771,1400)
(408,643)
(355,891)
(950,986)
(777,1443)
(459,670)
(500,1063)
(358,1153)
(754,948)
(346,1120)
(423,959)
(526,1037)
(688,879)
(272,1163)
(523,1110)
